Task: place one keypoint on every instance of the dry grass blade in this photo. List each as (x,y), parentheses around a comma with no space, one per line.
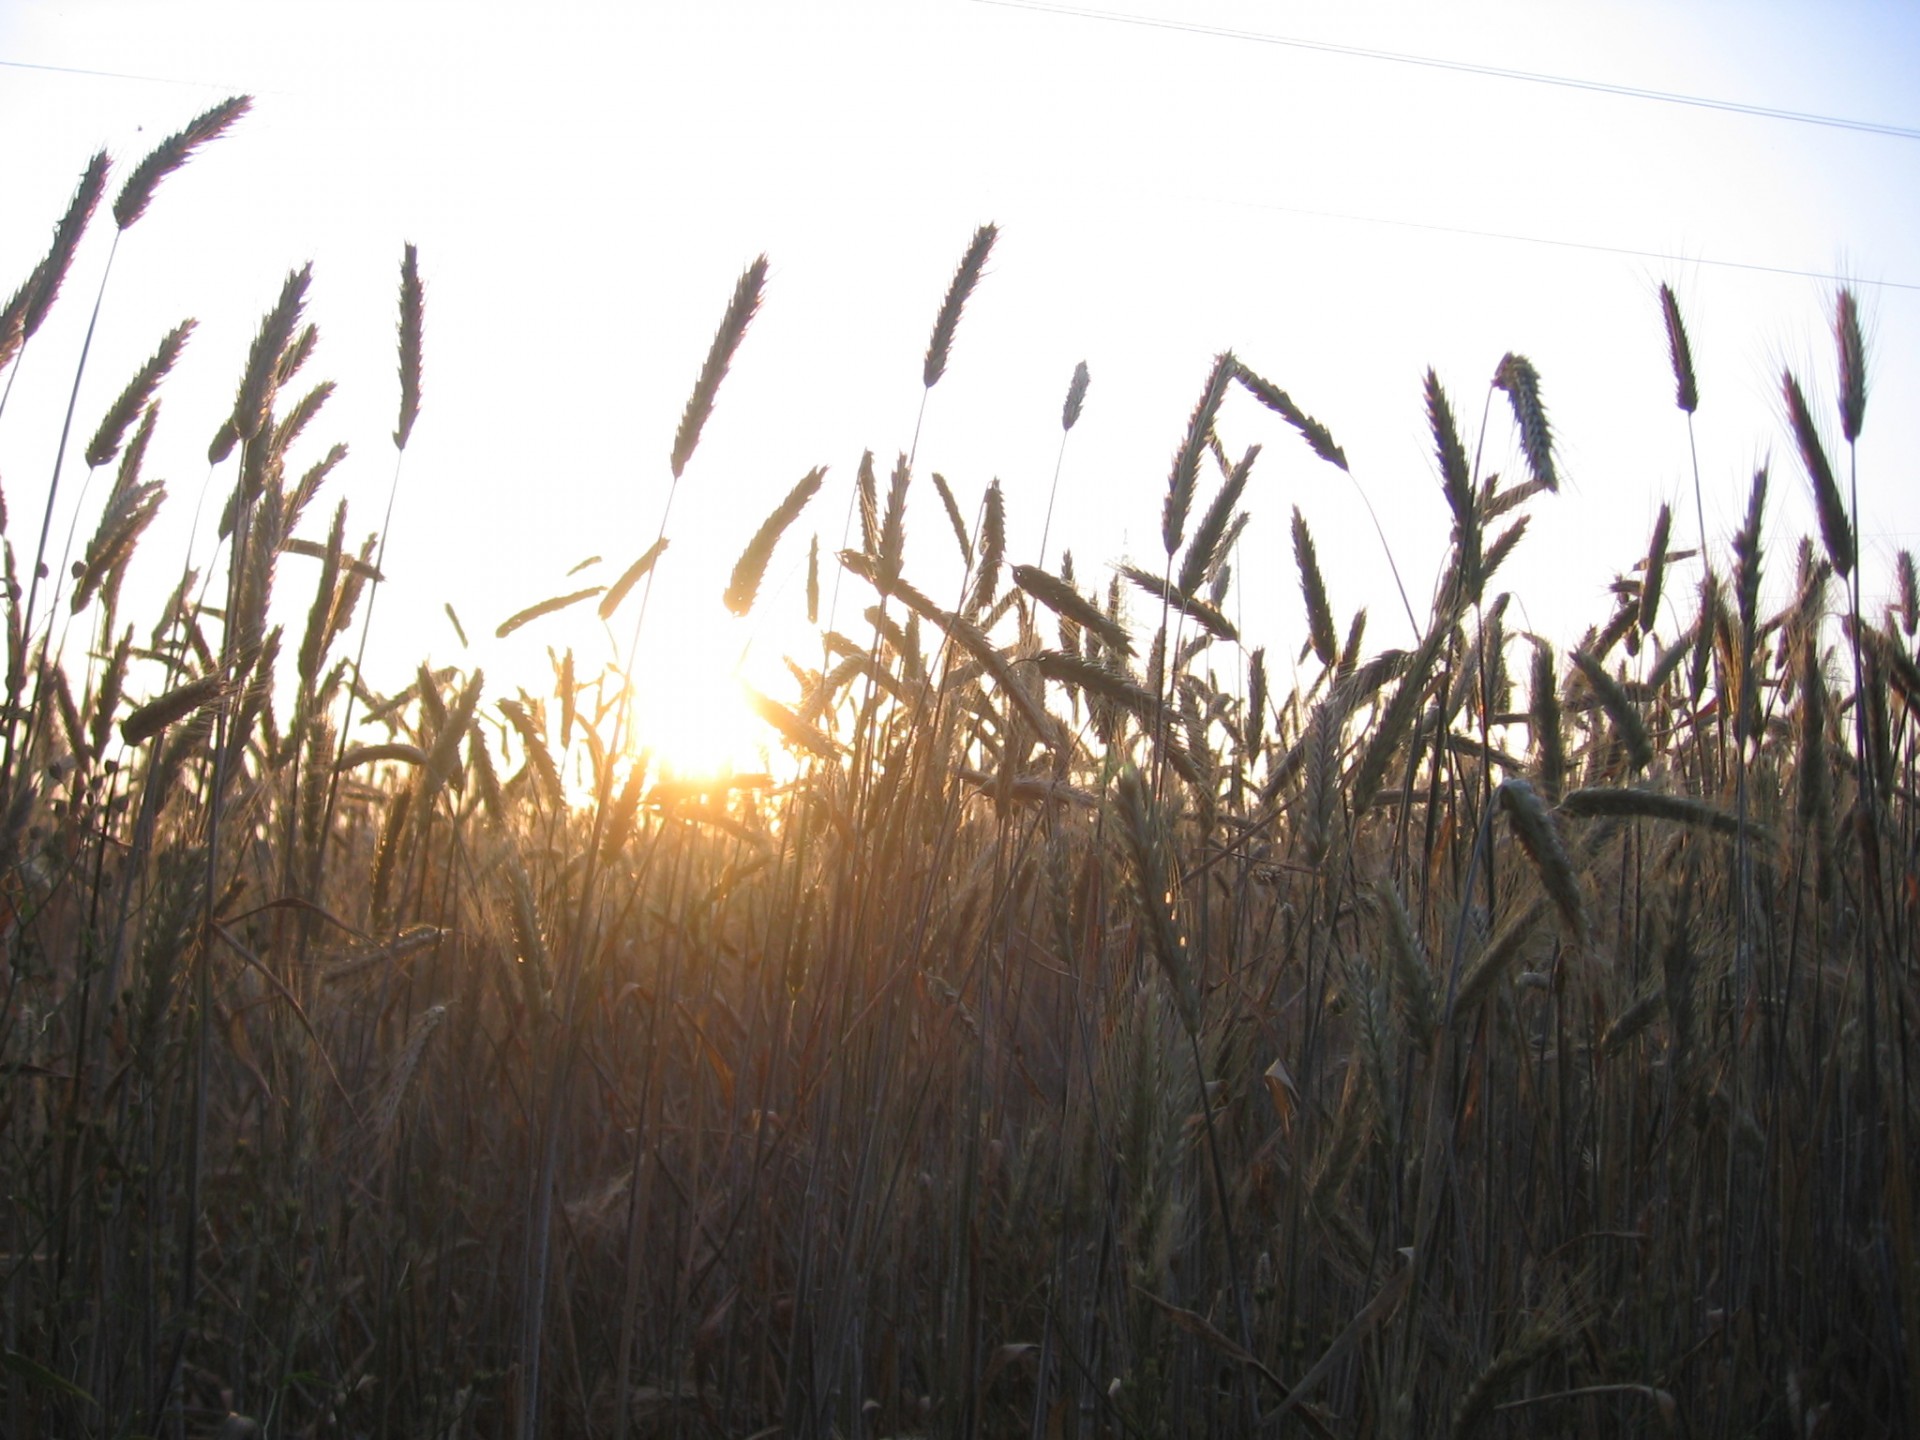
(173,152)
(153,717)
(1384,1302)
(1686,393)
(545,607)
(813,581)
(752,564)
(1076,397)
(1534,828)
(947,322)
(1853,364)
(1186,460)
(1140,829)
(412,320)
(397,751)
(1501,952)
(1064,600)
(733,329)
(314,551)
(1314,589)
(1278,401)
(1209,619)
(633,575)
(1521,381)
(132,400)
(1596,802)
(1835,529)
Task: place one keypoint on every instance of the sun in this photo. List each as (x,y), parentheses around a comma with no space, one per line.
(690,711)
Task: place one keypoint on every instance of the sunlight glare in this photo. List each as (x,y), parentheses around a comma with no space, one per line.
(692,716)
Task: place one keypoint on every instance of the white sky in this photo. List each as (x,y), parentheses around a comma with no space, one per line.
(586,183)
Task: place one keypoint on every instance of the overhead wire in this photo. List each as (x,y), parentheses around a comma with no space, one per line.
(1464,67)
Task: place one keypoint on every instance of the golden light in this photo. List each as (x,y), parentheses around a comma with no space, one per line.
(691,715)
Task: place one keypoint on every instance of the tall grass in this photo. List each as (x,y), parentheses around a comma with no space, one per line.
(1071,1040)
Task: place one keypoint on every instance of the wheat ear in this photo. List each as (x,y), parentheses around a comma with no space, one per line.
(947,322)
(726,340)
(752,564)
(173,152)
(412,302)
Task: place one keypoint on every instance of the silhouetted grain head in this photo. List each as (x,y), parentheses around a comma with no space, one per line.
(954,518)
(1853,364)
(52,271)
(1076,397)
(1533,826)
(1909,582)
(1208,548)
(1314,590)
(893,521)
(412,319)
(726,340)
(171,153)
(1060,597)
(947,322)
(634,574)
(993,547)
(133,399)
(1686,394)
(1655,574)
(1186,460)
(1543,719)
(752,564)
(1277,400)
(1521,382)
(1835,528)
(255,396)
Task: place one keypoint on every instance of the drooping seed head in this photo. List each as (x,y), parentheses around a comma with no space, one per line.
(1521,381)
(171,153)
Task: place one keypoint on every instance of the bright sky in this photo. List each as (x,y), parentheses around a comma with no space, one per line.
(585,183)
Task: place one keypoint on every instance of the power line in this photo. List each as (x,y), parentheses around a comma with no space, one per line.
(105,74)
(1559,244)
(1465,67)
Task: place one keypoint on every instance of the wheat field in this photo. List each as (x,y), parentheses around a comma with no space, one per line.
(1072,1035)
